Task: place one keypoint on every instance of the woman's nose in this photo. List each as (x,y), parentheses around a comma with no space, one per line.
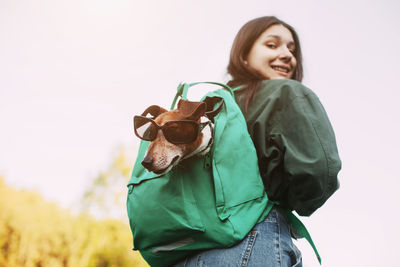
(284,53)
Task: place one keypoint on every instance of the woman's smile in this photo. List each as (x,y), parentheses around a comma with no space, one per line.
(282,70)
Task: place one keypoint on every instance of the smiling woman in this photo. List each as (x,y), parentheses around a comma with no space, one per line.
(264,48)
(296,149)
(272,54)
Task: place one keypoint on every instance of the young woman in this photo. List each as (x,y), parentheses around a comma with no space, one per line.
(294,140)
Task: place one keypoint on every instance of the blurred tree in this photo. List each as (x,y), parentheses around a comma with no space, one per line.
(34,232)
(106,196)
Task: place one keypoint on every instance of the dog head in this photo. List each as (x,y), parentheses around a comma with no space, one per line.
(162,155)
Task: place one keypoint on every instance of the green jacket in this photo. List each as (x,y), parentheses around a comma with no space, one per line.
(295,144)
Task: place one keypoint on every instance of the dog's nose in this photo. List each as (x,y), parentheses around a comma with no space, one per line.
(147,162)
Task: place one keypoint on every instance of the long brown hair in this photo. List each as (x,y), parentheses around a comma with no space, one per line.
(244,40)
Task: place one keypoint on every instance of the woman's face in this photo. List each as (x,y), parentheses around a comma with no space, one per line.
(272,54)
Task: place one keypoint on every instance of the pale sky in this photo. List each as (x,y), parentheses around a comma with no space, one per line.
(73,73)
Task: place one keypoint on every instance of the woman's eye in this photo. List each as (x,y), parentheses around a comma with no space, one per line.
(271,45)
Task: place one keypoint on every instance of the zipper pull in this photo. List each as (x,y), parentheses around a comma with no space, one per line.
(207,161)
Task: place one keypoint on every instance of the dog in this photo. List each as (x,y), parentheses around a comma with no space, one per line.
(162,155)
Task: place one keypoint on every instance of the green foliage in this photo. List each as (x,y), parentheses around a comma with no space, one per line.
(106,196)
(34,232)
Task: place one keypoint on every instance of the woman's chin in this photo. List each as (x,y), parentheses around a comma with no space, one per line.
(279,78)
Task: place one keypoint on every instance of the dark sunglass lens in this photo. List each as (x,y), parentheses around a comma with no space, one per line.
(145,129)
(180,132)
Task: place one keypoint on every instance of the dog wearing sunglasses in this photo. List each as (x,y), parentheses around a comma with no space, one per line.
(175,135)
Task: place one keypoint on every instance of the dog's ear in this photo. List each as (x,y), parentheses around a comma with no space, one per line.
(154,110)
(191,110)
(214,105)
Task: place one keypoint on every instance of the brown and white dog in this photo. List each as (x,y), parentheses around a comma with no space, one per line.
(161,155)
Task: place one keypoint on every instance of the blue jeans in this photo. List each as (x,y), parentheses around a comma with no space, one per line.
(268,244)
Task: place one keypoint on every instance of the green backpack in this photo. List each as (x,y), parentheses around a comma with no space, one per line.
(204,202)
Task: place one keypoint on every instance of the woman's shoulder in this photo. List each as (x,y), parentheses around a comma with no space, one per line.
(283,89)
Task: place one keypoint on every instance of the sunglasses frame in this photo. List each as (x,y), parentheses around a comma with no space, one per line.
(200,126)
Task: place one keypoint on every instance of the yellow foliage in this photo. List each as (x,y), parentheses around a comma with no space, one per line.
(34,232)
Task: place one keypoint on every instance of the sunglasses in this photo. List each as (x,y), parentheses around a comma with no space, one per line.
(176,132)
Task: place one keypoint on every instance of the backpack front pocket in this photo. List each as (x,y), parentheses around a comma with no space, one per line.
(162,209)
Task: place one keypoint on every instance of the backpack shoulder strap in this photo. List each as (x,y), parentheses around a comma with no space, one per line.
(302,231)
(183,88)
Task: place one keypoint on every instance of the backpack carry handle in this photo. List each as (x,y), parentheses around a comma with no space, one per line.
(183,89)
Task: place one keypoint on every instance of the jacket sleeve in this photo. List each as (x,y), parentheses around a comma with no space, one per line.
(297,150)
(310,158)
